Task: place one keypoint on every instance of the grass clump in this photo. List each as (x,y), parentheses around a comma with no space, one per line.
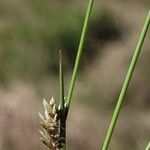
(54,123)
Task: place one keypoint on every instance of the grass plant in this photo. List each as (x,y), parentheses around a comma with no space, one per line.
(55,119)
(54,122)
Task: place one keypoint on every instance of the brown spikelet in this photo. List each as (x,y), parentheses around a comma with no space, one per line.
(50,125)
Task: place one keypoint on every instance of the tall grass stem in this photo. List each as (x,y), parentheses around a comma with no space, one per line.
(61,81)
(126,83)
(78,57)
(62,102)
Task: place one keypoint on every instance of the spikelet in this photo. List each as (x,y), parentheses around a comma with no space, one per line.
(50,125)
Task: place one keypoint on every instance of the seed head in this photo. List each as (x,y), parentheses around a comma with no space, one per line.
(50,125)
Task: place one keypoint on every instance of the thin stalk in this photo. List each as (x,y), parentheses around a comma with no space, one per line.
(61,81)
(78,57)
(62,102)
(126,84)
(148,146)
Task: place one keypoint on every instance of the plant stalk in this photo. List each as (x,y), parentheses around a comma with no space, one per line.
(79,53)
(63,130)
(62,102)
(64,108)
(126,83)
(61,81)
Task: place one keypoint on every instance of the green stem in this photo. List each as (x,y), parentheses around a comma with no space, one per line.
(80,49)
(126,84)
(62,102)
(61,81)
(148,146)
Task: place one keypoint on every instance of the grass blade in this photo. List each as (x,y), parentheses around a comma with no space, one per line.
(62,103)
(80,49)
(126,84)
(61,81)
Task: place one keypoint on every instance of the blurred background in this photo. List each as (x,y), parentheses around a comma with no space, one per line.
(31,34)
